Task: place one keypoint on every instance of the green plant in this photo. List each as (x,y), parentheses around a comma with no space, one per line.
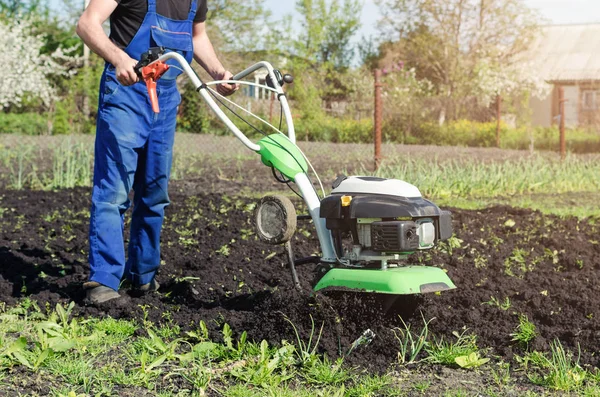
(411,344)
(14,354)
(306,351)
(504,305)
(525,331)
(450,245)
(471,361)
(445,352)
(501,375)
(560,371)
(29,123)
(193,116)
(270,368)
(71,166)
(322,371)
(422,386)
(454,178)
(370,386)
(199,377)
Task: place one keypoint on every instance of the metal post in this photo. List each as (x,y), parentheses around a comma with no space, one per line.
(498,118)
(378,117)
(561,105)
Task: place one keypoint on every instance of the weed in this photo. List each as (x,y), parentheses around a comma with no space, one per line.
(224,250)
(446,352)
(306,352)
(322,372)
(199,377)
(471,361)
(560,371)
(201,334)
(504,305)
(518,259)
(369,386)
(422,386)
(501,376)
(450,245)
(271,368)
(411,344)
(456,393)
(525,332)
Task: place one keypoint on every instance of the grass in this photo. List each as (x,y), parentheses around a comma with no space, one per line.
(442,351)
(465,177)
(557,370)
(525,332)
(536,174)
(569,188)
(105,357)
(93,356)
(410,343)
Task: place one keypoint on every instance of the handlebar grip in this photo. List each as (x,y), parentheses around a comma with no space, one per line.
(281,79)
(138,69)
(288,78)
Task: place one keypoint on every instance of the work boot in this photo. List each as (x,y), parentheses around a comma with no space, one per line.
(96,293)
(150,287)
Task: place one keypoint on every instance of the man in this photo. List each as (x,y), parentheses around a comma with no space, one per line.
(134,145)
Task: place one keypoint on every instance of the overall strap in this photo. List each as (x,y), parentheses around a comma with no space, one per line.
(193,10)
(152,6)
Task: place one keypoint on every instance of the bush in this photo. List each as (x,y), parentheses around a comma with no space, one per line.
(477,134)
(192,116)
(331,129)
(23,123)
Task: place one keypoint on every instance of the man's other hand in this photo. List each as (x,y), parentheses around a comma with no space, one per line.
(226,89)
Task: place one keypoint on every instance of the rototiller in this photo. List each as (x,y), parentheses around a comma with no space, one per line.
(366,227)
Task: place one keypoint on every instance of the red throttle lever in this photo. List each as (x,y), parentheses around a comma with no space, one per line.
(151,74)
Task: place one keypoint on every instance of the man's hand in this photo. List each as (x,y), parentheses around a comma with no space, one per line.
(226,89)
(125,71)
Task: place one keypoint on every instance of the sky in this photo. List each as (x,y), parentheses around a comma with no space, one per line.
(553,11)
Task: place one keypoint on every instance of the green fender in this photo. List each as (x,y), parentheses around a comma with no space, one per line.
(278,151)
(398,281)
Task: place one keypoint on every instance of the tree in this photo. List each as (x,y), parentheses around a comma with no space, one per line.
(327,28)
(27,72)
(462,46)
(12,8)
(240,25)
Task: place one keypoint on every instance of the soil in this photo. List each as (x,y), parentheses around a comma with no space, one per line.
(214,269)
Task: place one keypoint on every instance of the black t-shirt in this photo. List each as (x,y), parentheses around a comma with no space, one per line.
(127,18)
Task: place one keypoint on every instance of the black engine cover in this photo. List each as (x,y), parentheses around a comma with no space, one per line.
(386,207)
(379,206)
(395,236)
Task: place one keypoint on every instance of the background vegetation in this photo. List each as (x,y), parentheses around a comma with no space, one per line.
(442,70)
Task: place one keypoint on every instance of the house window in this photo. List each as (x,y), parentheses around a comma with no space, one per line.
(590,100)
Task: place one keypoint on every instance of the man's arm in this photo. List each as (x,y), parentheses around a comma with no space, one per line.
(204,54)
(89,28)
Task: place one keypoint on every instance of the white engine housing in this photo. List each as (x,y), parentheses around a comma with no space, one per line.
(373,185)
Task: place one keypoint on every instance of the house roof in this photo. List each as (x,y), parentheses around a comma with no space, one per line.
(567,52)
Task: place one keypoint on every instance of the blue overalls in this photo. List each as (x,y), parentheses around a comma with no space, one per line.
(134,150)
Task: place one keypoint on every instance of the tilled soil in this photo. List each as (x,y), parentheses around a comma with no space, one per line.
(215,269)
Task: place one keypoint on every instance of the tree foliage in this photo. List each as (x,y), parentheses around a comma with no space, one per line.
(327,28)
(13,8)
(240,25)
(464,47)
(27,71)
